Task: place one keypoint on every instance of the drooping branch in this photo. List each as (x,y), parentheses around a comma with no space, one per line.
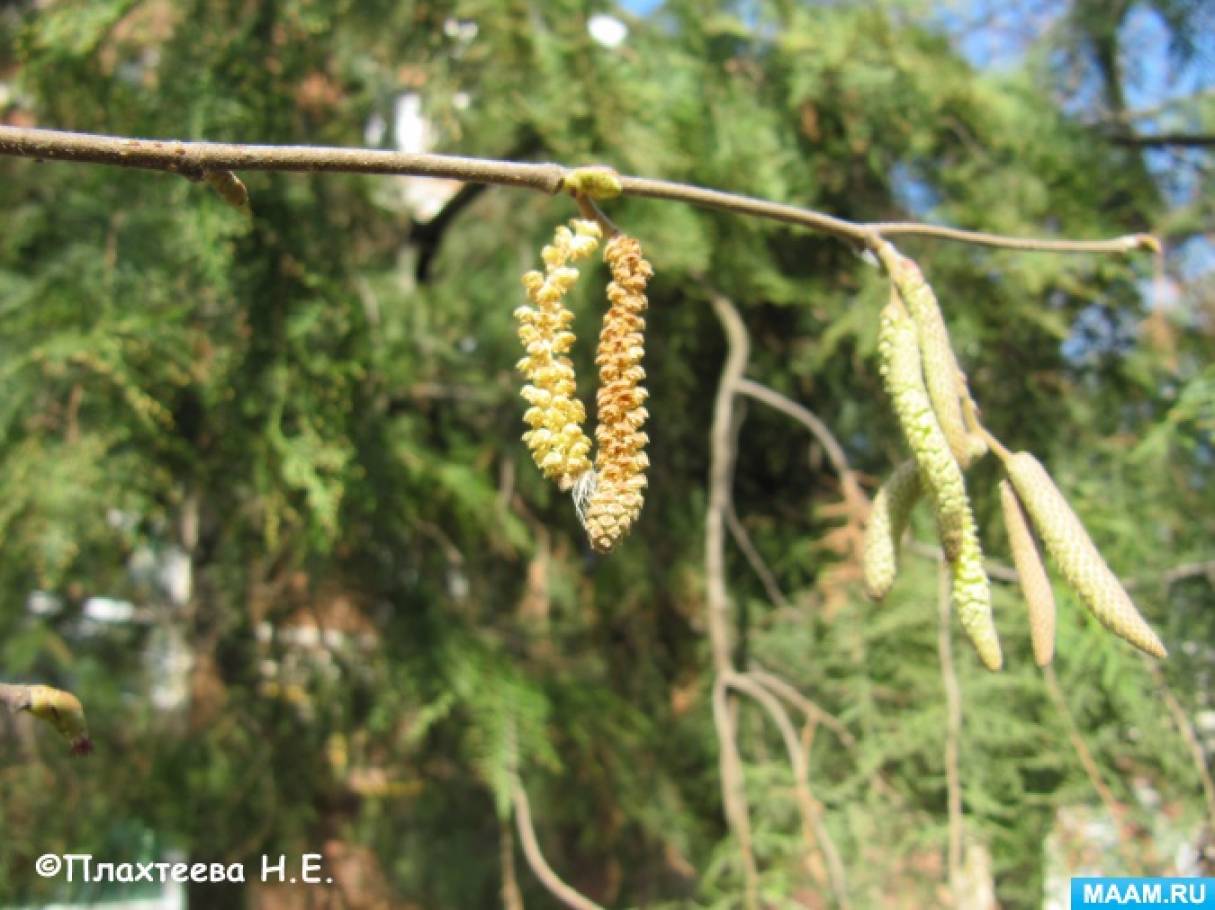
(1160,140)
(535,857)
(813,829)
(196,159)
(818,429)
(1092,770)
(723,447)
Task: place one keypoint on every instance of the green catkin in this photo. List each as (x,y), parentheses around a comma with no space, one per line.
(1073,550)
(939,470)
(972,596)
(1031,572)
(887,521)
(942,374)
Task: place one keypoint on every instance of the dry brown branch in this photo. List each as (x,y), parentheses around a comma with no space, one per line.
(814,831)
(818,429)
(722,450)
(743,540)
(812,711)
(734,791)
(1116,809)
(196,159)
(1188,733)
(953,730)
(535,858)
(512,899)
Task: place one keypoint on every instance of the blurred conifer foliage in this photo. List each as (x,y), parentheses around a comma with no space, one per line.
(290,441)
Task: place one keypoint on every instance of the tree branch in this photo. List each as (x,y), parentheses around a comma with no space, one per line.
(814,831)
(535,858)
(1115,808)
(1197,753)
(195,159)
(818,429)
(1156,140)
(15,698)
(723,446)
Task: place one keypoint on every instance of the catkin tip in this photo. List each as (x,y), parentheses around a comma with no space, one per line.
(972,597)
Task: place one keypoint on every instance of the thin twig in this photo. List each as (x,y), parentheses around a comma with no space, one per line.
(733,789)
(1116,809)
(814,830)
(758,566)
(535,858)
(953,731)
(723,447)
(818,429)
(512,898)
(195,159)
(14,697)
(996,570)
(812,711)
(1188,733)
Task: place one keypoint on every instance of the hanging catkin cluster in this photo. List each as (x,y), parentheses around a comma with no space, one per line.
(620,460)
(607,498)
(940,422)
(941,475)
(943,376)
(559,445)
(939,471)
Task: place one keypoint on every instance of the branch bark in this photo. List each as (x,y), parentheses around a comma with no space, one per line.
(723,444)
(195,159)
(1115,808)
(535,858)
(814,831)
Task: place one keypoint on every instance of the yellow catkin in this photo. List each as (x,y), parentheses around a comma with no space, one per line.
(887,521)
(972,596)
(939,470)
(1073,550)
(559,446)
(615,500)
(942,375)
(1031,571)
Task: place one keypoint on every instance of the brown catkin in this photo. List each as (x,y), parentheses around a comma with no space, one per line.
(1031,572)
(616,498)
(942,374)
(560,447)
(1073,550)
(939,470)
(887,521)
